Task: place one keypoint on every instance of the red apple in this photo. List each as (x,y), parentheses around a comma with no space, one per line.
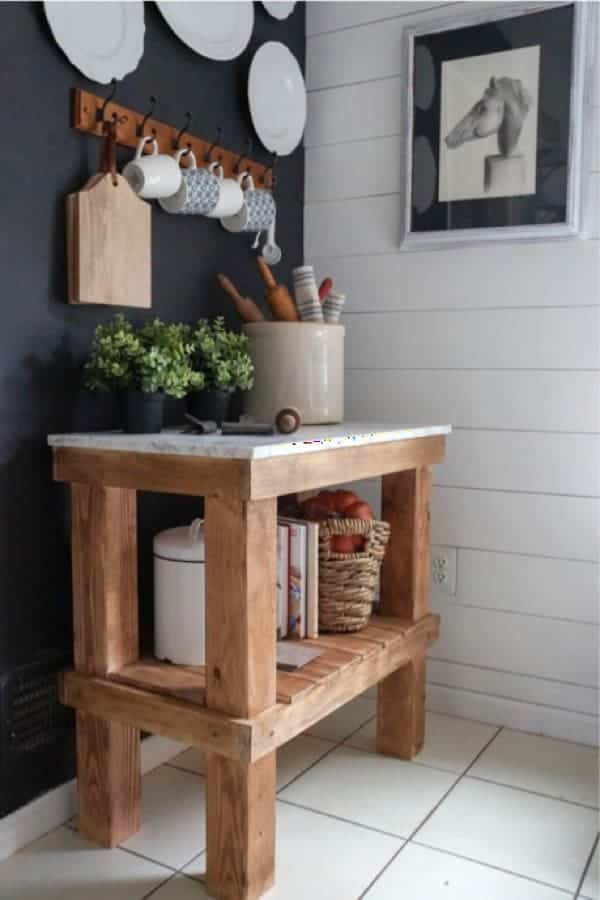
(344,499)
(358,510)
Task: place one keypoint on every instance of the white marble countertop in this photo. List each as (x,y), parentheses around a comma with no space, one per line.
(306,440)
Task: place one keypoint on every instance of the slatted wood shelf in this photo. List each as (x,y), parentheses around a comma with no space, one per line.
(171,700)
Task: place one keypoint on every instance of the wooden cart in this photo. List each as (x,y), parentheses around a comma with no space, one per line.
(239,709)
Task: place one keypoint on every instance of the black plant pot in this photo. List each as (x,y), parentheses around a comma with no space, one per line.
(141,413)
(209,405)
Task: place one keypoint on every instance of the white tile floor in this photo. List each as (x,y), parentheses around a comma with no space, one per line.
(483,814)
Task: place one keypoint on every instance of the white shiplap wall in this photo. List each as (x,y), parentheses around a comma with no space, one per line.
(502,341)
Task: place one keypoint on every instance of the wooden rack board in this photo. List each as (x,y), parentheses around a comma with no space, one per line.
(145,691)
(84,118)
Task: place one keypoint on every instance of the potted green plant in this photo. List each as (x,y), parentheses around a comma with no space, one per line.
(222,357)
(142,366)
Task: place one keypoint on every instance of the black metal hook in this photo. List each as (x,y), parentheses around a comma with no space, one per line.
(176,141)
(270,168)
(113,90)
(140,128)
(208,155)
(238,162)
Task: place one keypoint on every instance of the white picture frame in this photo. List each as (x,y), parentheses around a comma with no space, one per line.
(584,36)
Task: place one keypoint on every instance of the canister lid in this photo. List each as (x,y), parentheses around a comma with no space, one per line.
(185,544)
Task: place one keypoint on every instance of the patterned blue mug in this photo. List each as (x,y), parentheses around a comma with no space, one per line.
(203,192)
(258,212)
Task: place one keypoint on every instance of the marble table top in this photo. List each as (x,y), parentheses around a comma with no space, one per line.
(306,440)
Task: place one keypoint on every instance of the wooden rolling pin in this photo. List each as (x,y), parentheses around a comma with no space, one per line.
(247,308)
(277,295)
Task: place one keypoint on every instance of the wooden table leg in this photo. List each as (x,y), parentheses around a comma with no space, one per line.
(240,680)
(105,618)
(405,593)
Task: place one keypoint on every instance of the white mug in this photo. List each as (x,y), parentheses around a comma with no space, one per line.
(154,175)
(231,197)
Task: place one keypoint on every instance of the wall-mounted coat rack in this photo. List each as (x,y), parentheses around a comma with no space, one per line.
(89,111)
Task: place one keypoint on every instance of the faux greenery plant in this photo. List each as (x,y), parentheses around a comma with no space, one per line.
(221,356)
(155,358)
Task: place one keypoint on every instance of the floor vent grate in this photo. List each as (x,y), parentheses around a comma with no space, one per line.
(36,732)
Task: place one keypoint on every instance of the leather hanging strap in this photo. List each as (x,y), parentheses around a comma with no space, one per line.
(108,162)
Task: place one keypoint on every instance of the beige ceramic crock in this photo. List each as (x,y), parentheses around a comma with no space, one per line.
(298,364)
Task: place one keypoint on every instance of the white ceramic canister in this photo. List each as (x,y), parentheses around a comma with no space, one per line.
(179,629)
(297,364)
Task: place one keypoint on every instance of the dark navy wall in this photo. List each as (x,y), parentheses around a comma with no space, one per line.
(43,341)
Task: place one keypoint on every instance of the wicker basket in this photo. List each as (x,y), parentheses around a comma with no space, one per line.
(348,581)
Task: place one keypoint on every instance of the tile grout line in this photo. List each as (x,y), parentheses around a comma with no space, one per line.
(495,868)
(458,780)
(586,869)
(431,812)
(159,886)
(328,815)
(336,746)
(480,778)
(391,860)
(156,862)
(514,787)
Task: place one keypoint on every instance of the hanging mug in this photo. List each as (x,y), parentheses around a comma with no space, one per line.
(230,197)
(204,192)
(258,210)
(152,175)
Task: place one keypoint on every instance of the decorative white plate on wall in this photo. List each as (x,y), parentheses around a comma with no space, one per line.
(102,40)
(279,9)
(219,30)
(277,97)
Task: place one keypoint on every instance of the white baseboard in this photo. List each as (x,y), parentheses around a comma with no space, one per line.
(60,804)
(548,720)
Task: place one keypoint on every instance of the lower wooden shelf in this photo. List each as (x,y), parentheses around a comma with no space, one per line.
(171,700)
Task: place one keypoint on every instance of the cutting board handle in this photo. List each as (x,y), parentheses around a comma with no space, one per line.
(108,161)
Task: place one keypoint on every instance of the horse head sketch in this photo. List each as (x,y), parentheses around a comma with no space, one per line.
(501,110)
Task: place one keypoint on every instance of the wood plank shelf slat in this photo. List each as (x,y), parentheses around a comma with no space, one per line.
(170,700)
(339,650)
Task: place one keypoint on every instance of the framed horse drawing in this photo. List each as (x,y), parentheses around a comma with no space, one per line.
(496,124)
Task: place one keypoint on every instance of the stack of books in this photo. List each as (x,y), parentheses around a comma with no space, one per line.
(297,578)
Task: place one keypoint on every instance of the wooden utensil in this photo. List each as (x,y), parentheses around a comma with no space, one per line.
(277,295)
(246,307)
(108,238)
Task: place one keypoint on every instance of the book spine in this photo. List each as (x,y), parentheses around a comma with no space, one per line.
(297,582)
(312,581)
(283,556)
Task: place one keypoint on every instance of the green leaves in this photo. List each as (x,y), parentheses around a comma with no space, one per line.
(154,358)
(173,358)
(221,356)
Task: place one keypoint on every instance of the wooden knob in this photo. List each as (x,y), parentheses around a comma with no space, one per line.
(288,420)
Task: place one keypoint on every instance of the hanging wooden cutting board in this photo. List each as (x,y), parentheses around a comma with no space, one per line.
(109,240)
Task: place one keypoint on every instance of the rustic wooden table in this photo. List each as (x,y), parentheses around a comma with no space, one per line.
(238,708)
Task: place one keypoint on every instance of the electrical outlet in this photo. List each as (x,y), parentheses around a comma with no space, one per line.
(443,569)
